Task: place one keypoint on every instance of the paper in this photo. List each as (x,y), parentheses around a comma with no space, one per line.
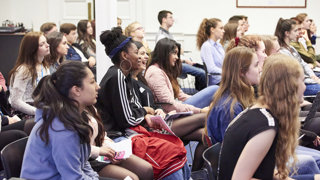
(162,122)
(123,150)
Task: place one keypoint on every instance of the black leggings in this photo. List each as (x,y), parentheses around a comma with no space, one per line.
(24,125)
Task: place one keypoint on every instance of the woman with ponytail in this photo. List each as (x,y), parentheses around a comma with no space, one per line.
(287,31)
(211,51)
(61,136)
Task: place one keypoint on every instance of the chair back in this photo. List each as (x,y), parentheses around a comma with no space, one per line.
(12,156)
(211,158)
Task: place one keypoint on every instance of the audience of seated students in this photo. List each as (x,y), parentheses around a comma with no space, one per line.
(211,51)
(231,31)
(122,112)
(308,55)
(136,31)
(189,128)
(161,75)
(166,21)
(264,136)
(58,50)
(48,28)
(85,38)
(287,31)
(251,41)
(30,67)
(74,52)
(61,135)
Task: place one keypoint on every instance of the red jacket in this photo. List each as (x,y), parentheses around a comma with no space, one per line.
(166,153)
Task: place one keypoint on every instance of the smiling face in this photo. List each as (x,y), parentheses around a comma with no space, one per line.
(63,47)
(133,57)
(43,48)
(143,58)
(253,73)
(173,57)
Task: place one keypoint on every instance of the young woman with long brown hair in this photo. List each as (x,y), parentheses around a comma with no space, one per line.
(265,135)
(27,72)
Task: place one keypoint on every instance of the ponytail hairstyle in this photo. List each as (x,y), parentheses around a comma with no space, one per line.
(280,74)
(204,30)
(250,41)
(112,40)
(283,25)
(52,96)
(54,39)
(161,56)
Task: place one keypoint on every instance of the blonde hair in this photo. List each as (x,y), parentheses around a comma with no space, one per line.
(130,28)
(204,30)
(236,62)
(250,41)
(280,74)
(268,41)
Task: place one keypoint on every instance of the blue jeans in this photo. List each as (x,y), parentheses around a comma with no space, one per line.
(198,73)
(183,173)
(312,89)
(202,98)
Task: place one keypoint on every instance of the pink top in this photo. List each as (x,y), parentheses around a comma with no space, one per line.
(161,87)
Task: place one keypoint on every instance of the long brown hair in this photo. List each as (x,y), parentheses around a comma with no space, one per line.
(28,57)
(54,39)
(101,132)
(161,55)
(83,35)
(235,64)
(280,74)
(204,30)
(230,32)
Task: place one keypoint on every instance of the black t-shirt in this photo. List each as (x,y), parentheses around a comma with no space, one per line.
(244,127)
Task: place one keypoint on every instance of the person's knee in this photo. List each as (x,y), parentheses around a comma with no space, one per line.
(147,172)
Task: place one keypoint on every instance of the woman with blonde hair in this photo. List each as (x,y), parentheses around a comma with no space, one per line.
(27,72)
(136,31)
(265,135)
(211,51)
(271,44)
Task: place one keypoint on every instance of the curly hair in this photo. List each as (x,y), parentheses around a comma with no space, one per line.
(250,41)
(236,62)
(280,74)
(204,30)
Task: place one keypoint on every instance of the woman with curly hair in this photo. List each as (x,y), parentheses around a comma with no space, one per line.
(211,51)
(265,135)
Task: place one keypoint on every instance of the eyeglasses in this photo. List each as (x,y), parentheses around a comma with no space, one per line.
(139,28)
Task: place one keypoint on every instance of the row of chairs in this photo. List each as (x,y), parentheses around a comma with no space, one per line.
(12,156)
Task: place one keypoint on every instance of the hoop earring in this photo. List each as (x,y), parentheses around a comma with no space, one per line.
(121,65)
